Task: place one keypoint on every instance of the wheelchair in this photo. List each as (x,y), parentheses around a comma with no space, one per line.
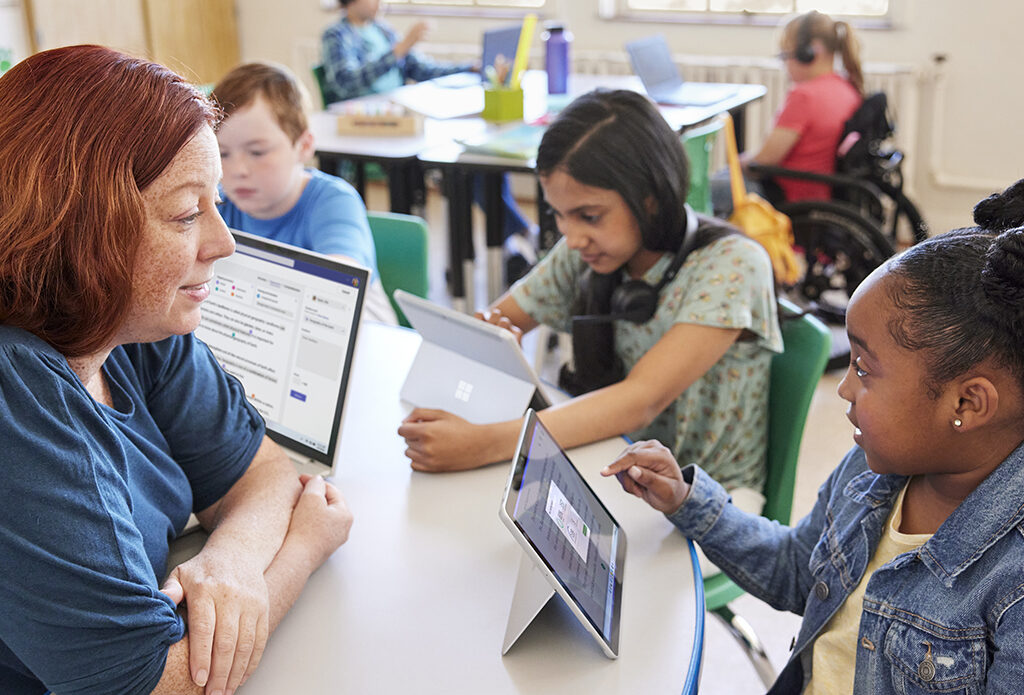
(866,221)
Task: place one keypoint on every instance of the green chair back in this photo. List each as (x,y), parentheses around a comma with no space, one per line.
(698,143)
(320,76)
(401,244)
(346,170)
(794,376)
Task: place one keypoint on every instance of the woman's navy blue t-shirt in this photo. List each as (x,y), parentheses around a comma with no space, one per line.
(91,498)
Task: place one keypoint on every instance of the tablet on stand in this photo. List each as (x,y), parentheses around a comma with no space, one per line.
(572,545)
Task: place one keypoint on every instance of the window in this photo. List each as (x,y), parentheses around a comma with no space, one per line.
(875,9)
(468,3)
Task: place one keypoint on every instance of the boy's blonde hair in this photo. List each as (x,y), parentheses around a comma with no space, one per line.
(285,95)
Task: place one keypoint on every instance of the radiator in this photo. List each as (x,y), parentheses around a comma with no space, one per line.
(903,85)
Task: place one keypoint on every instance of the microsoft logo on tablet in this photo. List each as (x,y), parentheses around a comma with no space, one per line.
(463,390)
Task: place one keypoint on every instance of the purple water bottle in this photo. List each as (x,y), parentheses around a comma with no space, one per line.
(556,56)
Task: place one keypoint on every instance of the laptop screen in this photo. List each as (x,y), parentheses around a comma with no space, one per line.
(283,321)
(502,41)
(652,62)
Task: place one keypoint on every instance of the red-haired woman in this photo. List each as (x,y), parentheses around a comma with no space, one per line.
(116,423)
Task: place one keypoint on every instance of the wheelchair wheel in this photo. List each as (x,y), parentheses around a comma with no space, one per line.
(904,215)
(840,247)
(918,227)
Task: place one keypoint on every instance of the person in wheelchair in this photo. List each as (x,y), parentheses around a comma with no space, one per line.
(809,125)
(827,167)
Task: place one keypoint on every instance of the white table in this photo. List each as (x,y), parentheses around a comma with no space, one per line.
(437,146)
(416,601)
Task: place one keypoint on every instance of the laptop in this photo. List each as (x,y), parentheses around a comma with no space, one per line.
(283,321)
(503,41)
(572,545)
(466,366)
(459,94)
(652,62)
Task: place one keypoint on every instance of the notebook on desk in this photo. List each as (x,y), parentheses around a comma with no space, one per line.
(283,321)
(652,62)
(466,366)
(519,141)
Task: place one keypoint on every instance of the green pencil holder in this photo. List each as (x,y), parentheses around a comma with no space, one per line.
(503,104)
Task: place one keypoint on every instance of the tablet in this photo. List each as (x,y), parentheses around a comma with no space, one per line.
(466,366)
(567,533)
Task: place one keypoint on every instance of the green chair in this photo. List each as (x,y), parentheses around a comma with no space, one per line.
(401,243)
(358,173)
(698,143)
(794,377)
(320,76)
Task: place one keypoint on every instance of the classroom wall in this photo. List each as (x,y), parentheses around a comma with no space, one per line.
(981,145)
(13,39)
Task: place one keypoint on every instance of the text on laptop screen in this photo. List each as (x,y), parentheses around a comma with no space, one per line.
(285,328)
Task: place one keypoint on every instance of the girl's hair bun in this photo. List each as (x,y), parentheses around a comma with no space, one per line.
(1003,274)
(1002,211)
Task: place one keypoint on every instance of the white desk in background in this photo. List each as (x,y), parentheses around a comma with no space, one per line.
(417,600)
(437,147)
(452,157)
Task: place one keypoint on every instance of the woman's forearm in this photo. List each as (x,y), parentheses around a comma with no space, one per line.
(285,577)
(255,513)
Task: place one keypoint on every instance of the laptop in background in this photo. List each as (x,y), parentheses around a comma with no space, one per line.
(652,62)
(503,41)
(460,94)
(467,366)
(283,321)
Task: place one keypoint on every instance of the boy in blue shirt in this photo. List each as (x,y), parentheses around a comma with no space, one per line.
(264,143)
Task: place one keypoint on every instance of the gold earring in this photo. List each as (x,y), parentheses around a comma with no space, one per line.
(958,422)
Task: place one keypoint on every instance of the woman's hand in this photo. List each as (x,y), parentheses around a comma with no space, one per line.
(439,441)
(228,616)
(227,597)
(649,471)
(321,520)
(495,316)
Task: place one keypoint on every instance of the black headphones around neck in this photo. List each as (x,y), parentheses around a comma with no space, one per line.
(636,300)
(804,51)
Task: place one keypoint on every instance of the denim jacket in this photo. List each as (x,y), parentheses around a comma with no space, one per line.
(947,617)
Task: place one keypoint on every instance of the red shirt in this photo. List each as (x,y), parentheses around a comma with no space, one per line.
(817,110)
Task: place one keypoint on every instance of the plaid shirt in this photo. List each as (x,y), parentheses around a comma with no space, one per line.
(349,70)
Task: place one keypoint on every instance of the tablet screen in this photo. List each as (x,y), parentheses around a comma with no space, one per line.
(570,529)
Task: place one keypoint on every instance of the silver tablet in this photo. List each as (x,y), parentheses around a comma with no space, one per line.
(567,533)
(466,366)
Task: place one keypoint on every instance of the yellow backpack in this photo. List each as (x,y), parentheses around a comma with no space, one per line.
(758,219)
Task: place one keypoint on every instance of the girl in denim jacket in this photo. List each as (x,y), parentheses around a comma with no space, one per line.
(909,570)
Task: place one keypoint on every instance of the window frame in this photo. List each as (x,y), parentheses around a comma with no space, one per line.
(619,10)
(409,9)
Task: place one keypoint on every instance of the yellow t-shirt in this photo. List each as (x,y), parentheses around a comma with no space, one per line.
(834,658)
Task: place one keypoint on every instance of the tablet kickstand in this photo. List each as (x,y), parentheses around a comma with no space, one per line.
(531,593)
